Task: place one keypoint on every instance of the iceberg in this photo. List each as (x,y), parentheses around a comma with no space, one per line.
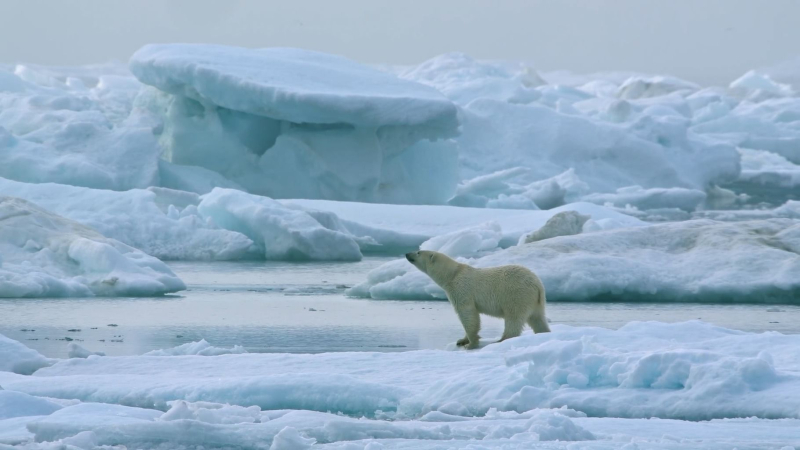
(286,123)
(45,255)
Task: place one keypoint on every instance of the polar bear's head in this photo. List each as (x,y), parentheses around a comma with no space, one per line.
(440,267)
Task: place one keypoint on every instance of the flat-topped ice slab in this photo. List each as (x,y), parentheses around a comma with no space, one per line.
(290,84)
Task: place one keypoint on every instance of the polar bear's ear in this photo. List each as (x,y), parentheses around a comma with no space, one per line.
(432,255)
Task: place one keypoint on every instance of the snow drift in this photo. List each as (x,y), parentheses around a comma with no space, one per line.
(45,255)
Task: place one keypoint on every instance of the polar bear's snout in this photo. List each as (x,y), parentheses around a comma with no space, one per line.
(411,256)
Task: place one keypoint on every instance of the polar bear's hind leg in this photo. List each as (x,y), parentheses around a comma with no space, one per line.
(538,322)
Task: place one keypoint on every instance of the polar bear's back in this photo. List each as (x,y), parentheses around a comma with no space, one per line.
(498,291)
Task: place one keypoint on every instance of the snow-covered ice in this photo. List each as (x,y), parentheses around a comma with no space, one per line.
(45,255)
(654,198)
(228,224)
(18,358)
(565,223)
(199,348)
(697,260)
(77,351)
(281,232)
(709,387)
(140,218)
(76,128)
(289,123)
(401,227)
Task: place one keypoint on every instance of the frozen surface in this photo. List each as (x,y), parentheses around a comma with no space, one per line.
(45,255)
(711,387)
(697,261)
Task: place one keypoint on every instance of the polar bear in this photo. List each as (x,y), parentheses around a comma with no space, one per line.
(512,292)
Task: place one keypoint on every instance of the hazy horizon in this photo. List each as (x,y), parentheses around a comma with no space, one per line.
(713,41)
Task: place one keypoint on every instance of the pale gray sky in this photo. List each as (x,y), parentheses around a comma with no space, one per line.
(708,41)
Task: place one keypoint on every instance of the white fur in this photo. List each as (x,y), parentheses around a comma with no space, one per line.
(513,293)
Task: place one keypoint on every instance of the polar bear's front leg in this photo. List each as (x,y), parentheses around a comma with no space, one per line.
(471,321)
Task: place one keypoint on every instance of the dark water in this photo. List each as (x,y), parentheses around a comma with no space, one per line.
(301,307)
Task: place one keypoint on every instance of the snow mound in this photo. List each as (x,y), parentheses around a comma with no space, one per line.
(76,351)
(768,177)
(497,190)
(79,130)
(698,260)
(753,81)
(18,404)
(290,439)
(199,348)
(646,87)
(141,218)
(653,198)
(463,79)
(45,255)
(282,233)
(287,123)
(565,223)
(466,242)
(209,412)
(18,358)
(789,210)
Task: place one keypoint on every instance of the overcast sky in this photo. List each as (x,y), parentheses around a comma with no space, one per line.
(708,41)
